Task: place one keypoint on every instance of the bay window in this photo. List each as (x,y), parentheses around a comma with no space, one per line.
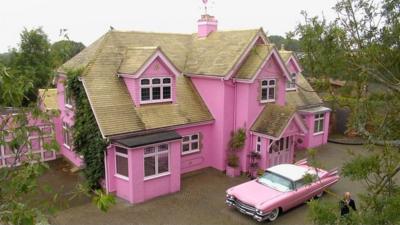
(318,123)
(121,162)
(154,90)
(190,144)
(156,160)
(268,89)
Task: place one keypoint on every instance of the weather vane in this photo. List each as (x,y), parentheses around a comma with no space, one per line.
(205,6)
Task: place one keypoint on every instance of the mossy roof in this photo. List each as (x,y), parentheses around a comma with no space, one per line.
(285,55)
(49,98)
(254,61)
(273,119)
(135,58)
(304,96)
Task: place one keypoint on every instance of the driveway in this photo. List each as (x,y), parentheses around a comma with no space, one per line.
(201,200)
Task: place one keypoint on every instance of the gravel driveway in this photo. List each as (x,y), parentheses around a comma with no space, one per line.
(201,200)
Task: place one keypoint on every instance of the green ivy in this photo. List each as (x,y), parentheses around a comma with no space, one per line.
(87,138)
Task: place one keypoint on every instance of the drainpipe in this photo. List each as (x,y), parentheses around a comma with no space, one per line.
(234,103)
(106,171)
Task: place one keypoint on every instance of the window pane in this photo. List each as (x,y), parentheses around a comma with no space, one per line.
(166,92)
(163,147)
(145,81)
(271,93)
(122,165)
(163,163)
(287,143)
(185,147)
(145,94)
(166,80)
(259,139)
(195,136)
(264,82)
(272,82)
(264,94)
(121,150)
(149,150)
(316,126)
(258,148)
(156,93)
(186,138)
(149,166)
(156,81)
(321,125)
(195,145)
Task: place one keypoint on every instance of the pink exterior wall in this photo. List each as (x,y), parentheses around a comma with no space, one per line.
(7,157)
(311,140)
(157,68)
(137,189)
(198,160)
(66,115)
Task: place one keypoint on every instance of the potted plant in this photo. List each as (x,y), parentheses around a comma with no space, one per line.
(236,143)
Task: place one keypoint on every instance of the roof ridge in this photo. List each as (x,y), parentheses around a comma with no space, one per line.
(99,50)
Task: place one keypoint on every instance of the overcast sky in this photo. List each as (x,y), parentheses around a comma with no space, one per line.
(86,20)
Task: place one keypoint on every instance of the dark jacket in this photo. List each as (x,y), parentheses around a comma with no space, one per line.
(344,207)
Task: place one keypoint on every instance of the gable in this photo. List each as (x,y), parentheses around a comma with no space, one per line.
(293,66)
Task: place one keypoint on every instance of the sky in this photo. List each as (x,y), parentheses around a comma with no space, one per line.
(87,20)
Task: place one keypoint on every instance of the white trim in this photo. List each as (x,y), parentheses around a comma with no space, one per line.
(124,156)
(320,119)
(121,177)
(295,63)
(268,87)
(318,133)
(156,154)
(66,129)
(189,142)
(150,86)
(157,176)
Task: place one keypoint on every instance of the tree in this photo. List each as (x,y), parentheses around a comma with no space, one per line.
(288,42)
(64,50)
(33,60)
(361,46)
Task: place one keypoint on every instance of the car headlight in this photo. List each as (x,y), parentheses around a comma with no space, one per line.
(228,196)
(259,212)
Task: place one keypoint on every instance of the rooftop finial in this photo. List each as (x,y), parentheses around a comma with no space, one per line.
(205,6)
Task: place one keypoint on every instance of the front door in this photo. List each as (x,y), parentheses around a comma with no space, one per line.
(280,151)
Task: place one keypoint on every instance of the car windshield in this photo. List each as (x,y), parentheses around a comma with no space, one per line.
(275,181)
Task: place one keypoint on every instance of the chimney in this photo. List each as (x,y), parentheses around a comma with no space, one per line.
(206,25)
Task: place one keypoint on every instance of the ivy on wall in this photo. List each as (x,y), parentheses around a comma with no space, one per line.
(87,139)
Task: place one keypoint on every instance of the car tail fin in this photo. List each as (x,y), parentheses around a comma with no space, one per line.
(301,162)
(332,172)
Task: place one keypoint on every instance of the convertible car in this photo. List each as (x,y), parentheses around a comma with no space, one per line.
(280,188)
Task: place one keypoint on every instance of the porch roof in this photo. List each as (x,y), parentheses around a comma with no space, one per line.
(273,120)
(148,139)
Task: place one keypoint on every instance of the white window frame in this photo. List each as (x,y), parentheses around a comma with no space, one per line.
(319,119)
(124,156)
(291,84)
(258,144)
(67,99)
(66,131)
(155,154)
(268,87)
(189,142)
(161,85)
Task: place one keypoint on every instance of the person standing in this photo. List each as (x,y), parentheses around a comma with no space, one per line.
(346,204)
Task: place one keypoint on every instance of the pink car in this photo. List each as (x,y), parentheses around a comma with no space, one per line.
(280,188)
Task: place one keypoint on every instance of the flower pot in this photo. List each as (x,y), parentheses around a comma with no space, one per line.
(232,171)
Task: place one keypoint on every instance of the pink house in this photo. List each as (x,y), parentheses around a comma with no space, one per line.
(167,103)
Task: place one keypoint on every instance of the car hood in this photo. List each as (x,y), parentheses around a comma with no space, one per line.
(254,193)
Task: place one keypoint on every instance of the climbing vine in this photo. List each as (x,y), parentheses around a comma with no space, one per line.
(87,138)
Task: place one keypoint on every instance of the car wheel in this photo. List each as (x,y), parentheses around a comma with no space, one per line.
(273,215)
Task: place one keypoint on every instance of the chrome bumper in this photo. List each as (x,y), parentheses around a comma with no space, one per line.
(231,202)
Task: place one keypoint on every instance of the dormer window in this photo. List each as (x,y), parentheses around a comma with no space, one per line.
(154,90)
(291,84)
(268,88)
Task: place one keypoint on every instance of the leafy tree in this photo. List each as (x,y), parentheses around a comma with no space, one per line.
(361,46)
(64,50)
(33,60)
(289,42)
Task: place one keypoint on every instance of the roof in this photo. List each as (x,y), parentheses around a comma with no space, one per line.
(318,109)
(49,97)
(291,171)
(119,51)
(148,139)
(254,61)
(273,120)
(135,58)
(285,55)
(304,96)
